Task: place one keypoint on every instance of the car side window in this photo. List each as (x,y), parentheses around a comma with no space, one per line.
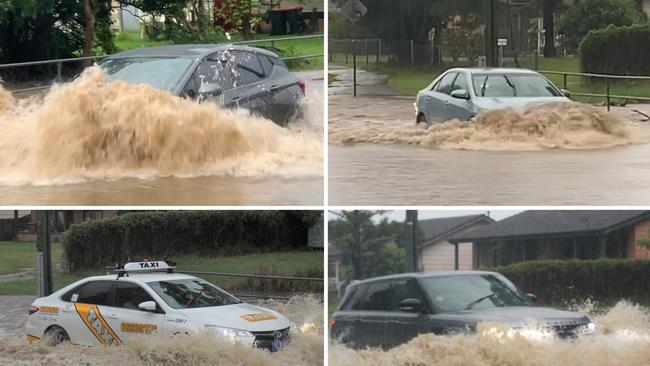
(267,65)
(248,68)
(129,295)
(445,84)
(377,297)
(73,295)
(405,289)
(96,293)
(460,83)
(354,301)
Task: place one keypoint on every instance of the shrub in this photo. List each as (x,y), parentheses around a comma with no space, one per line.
(580,18)
(617,50)
(96,244)
(605,281)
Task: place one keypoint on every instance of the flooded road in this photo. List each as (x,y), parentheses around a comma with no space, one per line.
(305,349)
(623,338)
(98,143)
(545,156)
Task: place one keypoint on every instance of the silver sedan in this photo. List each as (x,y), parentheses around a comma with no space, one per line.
(462,93)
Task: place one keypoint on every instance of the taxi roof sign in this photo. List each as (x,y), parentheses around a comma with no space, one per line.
(147,266)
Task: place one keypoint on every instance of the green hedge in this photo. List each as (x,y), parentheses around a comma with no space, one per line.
(621,50)
(158,235)
(605,281)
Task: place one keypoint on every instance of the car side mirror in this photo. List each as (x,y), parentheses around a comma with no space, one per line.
(566,93)
(147,306)
(411,305)
(532,298)
(460,94)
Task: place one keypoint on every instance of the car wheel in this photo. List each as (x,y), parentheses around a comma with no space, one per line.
(56,335)
(421,121)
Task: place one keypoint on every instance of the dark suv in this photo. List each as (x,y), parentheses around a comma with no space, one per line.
(388,311)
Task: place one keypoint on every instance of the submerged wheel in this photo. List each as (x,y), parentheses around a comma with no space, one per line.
(421,121)
(56,335)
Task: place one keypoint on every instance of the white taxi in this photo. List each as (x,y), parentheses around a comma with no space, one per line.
(147,298)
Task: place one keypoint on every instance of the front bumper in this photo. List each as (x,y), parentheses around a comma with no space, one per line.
(272,341)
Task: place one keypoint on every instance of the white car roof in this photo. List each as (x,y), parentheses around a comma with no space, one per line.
(143,277)
(494,70)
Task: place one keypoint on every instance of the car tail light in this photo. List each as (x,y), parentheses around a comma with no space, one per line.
(332,323)
(32,309)
(302,86)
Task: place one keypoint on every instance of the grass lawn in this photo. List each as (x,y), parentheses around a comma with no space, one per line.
(408,81)
(298,264)
(17,256)
(310,46)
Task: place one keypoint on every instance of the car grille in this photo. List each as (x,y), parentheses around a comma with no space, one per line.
(569,331)
(272,340)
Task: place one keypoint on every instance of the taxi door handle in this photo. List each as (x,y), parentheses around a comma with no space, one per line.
(112,316)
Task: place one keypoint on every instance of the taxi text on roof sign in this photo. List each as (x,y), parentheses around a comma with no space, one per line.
(146,266)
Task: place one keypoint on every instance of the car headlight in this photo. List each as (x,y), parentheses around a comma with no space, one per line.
(586,329)
(230,333)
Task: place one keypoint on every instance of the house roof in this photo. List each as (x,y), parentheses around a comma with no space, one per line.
(437,229)
(554,222)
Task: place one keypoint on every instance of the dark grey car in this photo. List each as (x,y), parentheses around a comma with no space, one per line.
(388,311)
(233,76)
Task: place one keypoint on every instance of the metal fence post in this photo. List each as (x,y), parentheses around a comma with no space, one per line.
(367,55)
(378,49)
(565,81)
(412,56)
(354,67)
(59,67)
(607,82)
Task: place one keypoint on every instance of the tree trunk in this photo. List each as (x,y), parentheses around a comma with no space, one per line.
(89,31)
(549,29)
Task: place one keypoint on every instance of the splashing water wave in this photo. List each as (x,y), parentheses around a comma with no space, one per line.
(623,339)
(536,127)
(93,129)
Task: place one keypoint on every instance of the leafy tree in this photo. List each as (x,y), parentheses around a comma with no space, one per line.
(587,15)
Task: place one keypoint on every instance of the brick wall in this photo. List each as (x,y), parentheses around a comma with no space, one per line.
(641,230)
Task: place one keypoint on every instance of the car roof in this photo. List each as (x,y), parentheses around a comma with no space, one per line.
(143,277)
(187,50)
(494,70)
(423,275)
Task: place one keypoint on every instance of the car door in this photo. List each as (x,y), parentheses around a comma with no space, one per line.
(347,318)
(249,90)
(403,326)
(88,325)
(456,107)
(126,319)
(375,304)
(437,98)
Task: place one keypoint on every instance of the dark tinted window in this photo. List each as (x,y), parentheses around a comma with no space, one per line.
(73,294)
(377,297)
(405,289)
(353,301)
(129,295)
(96,293)
(444,85)
(277,62)
(191,293)
(248,68)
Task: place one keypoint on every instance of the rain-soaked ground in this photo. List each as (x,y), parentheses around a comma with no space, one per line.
(545,155)
(98,143)
(305,348)
(622,338)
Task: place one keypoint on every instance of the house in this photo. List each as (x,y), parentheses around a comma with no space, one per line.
(565,234)
(437,253)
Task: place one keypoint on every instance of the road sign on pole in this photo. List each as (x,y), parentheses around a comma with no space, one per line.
(412,242)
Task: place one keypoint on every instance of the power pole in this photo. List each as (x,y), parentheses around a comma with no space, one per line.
(411,241)
(43,247)
(491,33)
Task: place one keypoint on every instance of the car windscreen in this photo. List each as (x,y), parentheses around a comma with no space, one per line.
(463,292)
(513,85)
(191,293)
(162,73)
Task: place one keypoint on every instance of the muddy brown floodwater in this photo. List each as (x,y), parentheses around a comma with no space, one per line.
(305,349)
(550,154)
(93,142)
(623,339)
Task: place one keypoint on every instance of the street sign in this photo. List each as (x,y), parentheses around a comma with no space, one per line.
(502,42)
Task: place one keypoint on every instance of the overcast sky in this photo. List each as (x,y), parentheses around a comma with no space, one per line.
(400,214)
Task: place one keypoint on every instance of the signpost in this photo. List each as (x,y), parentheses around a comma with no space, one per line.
(501,43)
